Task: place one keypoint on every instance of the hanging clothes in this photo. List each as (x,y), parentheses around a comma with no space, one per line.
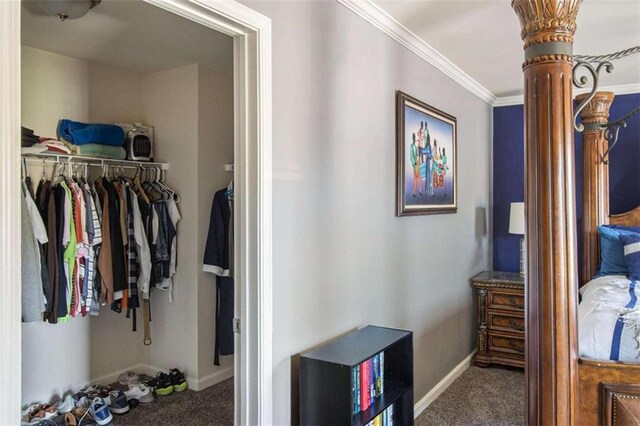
(87,245)
(33,232)
(218,259)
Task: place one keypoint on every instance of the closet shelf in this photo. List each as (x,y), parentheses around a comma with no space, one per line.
(91,161)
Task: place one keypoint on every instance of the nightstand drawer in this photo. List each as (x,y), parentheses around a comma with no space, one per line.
(505,299)
(504,321)
(507,344)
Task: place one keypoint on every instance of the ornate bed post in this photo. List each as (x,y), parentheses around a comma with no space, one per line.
(548,27)
(595,184)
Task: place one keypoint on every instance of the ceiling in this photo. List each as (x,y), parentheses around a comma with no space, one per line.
(130,35)
(482,37)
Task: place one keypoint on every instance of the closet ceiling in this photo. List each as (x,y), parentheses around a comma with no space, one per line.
(482,37)
(130,35)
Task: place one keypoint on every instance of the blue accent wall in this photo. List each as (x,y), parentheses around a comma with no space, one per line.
(508,174)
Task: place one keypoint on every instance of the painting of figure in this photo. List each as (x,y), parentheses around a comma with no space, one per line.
(426,158)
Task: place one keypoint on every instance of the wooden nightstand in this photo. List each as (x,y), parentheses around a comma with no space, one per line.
(500,319)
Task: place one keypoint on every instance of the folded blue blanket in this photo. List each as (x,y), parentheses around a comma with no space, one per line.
(81,133)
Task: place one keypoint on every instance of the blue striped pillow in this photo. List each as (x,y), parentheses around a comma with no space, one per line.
(631,245)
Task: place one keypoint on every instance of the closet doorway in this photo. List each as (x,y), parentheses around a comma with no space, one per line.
(250,147)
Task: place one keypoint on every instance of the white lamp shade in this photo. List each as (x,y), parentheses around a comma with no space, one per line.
(516,219)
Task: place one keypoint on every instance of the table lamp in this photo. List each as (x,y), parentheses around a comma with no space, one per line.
(517,227)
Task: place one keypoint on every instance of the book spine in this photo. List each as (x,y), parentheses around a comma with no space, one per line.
(365,389)
(372,380)
(385,418)
(377,420)
(376,375)
(381,373)
(358,379)
(390,415)
(354,391)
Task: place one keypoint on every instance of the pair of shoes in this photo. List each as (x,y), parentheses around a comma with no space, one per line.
(37,413)
(129,379)
(166,384)
(141,393)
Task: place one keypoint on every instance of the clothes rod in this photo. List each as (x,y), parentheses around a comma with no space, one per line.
(91,161)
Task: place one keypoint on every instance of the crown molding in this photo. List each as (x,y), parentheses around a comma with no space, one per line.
(509,100)
(620,89)
(380,19)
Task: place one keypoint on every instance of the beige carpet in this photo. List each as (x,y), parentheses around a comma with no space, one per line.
(212,406)
(480,396)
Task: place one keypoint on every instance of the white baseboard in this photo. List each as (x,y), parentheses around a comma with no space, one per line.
(213,379)
(194,383)
(434,393)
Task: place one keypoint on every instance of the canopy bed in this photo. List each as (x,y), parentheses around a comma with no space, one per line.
(562,388)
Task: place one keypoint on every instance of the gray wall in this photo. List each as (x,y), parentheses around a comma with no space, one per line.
(341,257)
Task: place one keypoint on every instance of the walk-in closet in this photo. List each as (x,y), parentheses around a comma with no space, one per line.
(167,82)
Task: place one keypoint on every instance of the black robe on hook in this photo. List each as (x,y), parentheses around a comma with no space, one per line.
(218,259)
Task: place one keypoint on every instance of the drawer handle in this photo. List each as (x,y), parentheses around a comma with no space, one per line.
(514,302)
(514,346)
(514,324)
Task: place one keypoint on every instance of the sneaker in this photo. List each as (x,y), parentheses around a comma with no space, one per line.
(178,380)
(129,378)
(78,417)
(140,392)
(83,402)
(164,385)
(67,404)
(117,402)
(151,384)
(100,412)
(37,413)
(99,390)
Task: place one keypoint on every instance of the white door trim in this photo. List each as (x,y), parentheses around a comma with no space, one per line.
(10,281)
(252,79)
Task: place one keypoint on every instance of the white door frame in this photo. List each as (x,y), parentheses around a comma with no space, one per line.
(253,367)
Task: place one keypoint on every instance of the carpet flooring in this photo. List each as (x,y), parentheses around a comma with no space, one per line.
(212,406)
(480,396)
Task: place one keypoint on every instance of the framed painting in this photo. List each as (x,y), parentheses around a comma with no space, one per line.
(426,152)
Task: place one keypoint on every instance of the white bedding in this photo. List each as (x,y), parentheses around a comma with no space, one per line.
(609,319)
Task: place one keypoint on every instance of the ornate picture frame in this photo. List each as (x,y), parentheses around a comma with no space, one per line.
(426,158)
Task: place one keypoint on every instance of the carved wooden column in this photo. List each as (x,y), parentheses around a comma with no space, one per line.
(595,186)
(548,27)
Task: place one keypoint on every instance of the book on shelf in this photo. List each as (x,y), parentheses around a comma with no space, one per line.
(356,389)
(368,382)
(365,388)
(372,390)
(381,373)
(376,375)
(385,418)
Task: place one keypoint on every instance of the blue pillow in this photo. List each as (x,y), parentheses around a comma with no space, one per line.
(611,249)
(631,244)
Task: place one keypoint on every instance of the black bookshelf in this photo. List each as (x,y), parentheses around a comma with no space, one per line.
(326,388)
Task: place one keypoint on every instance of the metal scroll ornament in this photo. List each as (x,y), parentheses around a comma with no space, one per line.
(581,82)
(611,132)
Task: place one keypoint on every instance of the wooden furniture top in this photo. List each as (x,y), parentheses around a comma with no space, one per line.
(498,279)
(630,218)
